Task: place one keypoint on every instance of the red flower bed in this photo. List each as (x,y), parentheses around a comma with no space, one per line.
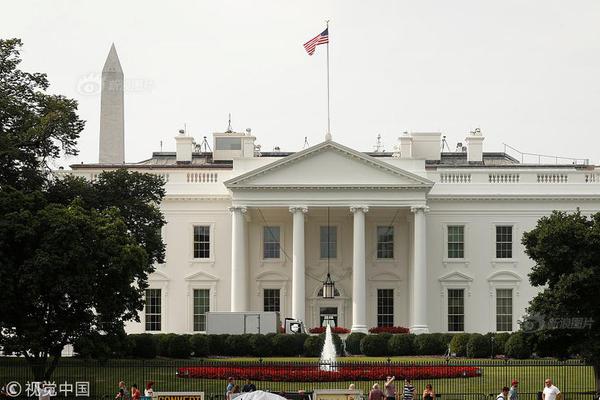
(389,329)
(321,329)
(312,373)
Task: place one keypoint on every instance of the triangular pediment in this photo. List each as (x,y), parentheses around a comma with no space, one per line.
(329,164)
(456,276)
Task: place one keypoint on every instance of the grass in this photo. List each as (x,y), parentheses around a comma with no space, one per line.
(104,377)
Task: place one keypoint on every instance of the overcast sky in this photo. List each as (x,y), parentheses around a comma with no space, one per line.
(526,72)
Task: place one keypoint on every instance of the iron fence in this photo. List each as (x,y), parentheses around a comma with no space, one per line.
(452,379)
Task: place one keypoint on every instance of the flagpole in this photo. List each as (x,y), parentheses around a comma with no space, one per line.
(328,135)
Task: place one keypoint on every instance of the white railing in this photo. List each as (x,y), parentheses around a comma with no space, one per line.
(552,178)
(503,177)
(592,178)
(202,177)
(455,177)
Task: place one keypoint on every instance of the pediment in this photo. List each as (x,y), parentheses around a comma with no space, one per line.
(271,276)
(158,276)
(385,277)
(201,276)
(329,164)
(504,276)
(456,276)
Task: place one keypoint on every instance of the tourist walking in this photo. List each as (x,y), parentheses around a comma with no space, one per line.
(389,389)
(408,392)
(428,393)
(376,393)
(550,392)
(504,394)
(233,391)
(513,393)
(230,385)
(135,392)
(149,391)
(125,391)
(248,387)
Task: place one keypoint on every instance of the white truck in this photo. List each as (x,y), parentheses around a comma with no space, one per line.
(234,323)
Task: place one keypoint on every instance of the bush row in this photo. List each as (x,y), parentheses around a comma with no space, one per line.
(474,345)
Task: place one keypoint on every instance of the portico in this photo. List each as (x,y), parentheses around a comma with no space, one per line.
(331,176)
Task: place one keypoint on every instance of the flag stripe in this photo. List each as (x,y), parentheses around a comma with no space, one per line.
(321,38)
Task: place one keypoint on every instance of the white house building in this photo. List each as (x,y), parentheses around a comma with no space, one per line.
(419,238)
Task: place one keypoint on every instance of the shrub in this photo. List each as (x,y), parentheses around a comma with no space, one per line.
(374,345)
(458,344)
(163,342)
(402,345)
(553,343)
(142,345)
(353,342)
(429,344)
(389,329)
(299,339)
(216,345)
(179,346)
(517,346)
(260,346)
(478,346)
(499,342)
(313,346)
(284,345)
(237,345)
(199,345)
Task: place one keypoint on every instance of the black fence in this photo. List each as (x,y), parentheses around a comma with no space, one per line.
(451,379)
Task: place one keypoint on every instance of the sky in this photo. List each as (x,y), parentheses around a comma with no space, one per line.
(527,73)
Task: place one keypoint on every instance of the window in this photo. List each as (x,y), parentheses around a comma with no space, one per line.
(385,307)
(153,309)
(271,244)
(328,315)
(226,143)
(504,241)
(456,241)
(202,241)
(271,300)
(201,307)
(385,242)
(456,310)
(329,242)
(504,301)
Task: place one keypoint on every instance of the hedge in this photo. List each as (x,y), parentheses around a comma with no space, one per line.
(515,345)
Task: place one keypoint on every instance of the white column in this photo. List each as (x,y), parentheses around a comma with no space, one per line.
(239,273)
(419,272)
(298,267)
(359,277)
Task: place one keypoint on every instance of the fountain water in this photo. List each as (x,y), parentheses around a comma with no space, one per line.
(328,354)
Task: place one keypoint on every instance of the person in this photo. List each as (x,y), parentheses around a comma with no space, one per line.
(135,392)
(149,391)
(428,393)
(504,394)
(249,386)
(389,389)
(234,390)
(44,391)
(513,393)
(125,391)
(408,392)
(230,385)
(120,394)
(352,386)
(550,392)
(376,393)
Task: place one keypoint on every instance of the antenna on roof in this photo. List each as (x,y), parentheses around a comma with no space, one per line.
(204,147)
(379,145)
(445,143)
(161,146)
(229,130)
(306,145)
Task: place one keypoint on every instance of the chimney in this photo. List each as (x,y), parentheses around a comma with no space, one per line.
(405,146)
(475,146)
(185,147)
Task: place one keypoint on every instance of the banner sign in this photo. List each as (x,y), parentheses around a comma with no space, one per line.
(178,396)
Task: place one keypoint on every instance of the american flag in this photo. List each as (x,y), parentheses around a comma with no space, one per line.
(321,38)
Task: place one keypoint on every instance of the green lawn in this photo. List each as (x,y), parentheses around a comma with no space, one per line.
(103,377)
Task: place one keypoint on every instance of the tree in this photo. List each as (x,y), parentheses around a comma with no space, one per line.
(74,255)
(35,126)
(566,250)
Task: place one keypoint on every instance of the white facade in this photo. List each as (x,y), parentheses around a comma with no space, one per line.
(452,258)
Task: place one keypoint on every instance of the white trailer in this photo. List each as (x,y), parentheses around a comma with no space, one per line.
(235,323)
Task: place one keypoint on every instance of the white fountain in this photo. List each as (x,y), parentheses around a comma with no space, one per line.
(328,354)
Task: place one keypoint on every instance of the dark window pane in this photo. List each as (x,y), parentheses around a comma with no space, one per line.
(201,307)
(385,307)
(385,242)
(153,310)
